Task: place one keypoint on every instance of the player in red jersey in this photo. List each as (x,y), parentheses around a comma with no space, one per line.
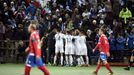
(34,52)
(103,46)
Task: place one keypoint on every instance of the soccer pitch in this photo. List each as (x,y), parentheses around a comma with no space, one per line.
(17,69)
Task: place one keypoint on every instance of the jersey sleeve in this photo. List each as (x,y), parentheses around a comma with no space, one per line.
(36,44)
(98,44)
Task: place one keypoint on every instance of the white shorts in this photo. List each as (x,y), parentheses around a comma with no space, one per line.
(78,50)
(59,48)
(69,49)
(83,50)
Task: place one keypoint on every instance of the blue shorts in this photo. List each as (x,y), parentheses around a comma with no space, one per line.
(102,57)
(32,62)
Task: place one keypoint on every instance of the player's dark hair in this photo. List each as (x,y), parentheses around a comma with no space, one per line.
(68,32)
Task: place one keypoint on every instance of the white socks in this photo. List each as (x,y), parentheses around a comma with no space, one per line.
(71,60)
(61,60)
(87,60)
(67,62)
(55,58)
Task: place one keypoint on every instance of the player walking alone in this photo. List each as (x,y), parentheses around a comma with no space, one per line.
(103,46)
(34,52)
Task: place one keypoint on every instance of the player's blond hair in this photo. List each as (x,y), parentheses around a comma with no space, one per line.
(34,24)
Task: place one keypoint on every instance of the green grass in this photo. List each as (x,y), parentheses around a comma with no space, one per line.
(17,69)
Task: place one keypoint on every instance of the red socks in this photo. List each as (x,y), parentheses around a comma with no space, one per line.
(98,67)
(43,69)
(27,70)
(108,68)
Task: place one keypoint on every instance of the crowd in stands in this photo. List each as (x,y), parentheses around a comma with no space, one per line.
(88,15)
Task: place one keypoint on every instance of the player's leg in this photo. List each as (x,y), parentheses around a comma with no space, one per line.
(87,60)
(44,70)
(56,54)
(27,70)
(97,67)
(130,63)
(81,53)
(66,56)
(81,60)
(86,56)
(67,59)
(55,58)
(61,55)
(29,64)
(61,59)
(40,65)
(108,67)
(71,53)
(70,60)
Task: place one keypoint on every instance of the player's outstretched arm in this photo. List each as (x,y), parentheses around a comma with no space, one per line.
(97,46)
(108,54)
(27,49)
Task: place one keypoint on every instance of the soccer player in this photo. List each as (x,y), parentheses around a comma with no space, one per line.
(130,61)
(59,46)
(103,46)
(83,52)
(34,52)
(77,44)
(68,49)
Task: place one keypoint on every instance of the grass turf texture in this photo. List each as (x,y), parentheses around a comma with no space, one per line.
(17,69)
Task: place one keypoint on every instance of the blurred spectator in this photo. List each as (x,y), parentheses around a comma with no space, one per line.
(93,26)
(120,42)
(61,24)
(112,43)
(31,10)
(2,30)
(21,51)
(12,6)
(51,46)
(44,47)
(7,14)
(19,15)
(130,39)
(122,2)
(9,33)
(19,34)
(130,4)
(70,25)
(90,39)
(125,14)
(93,11)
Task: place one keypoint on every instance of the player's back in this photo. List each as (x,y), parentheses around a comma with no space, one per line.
(68,39)
(82,40)
(59,38)
(77,40)
(104,44)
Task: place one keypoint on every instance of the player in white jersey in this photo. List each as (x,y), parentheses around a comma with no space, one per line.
(59,46)
(78,48)
(68,49)
(83,50)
